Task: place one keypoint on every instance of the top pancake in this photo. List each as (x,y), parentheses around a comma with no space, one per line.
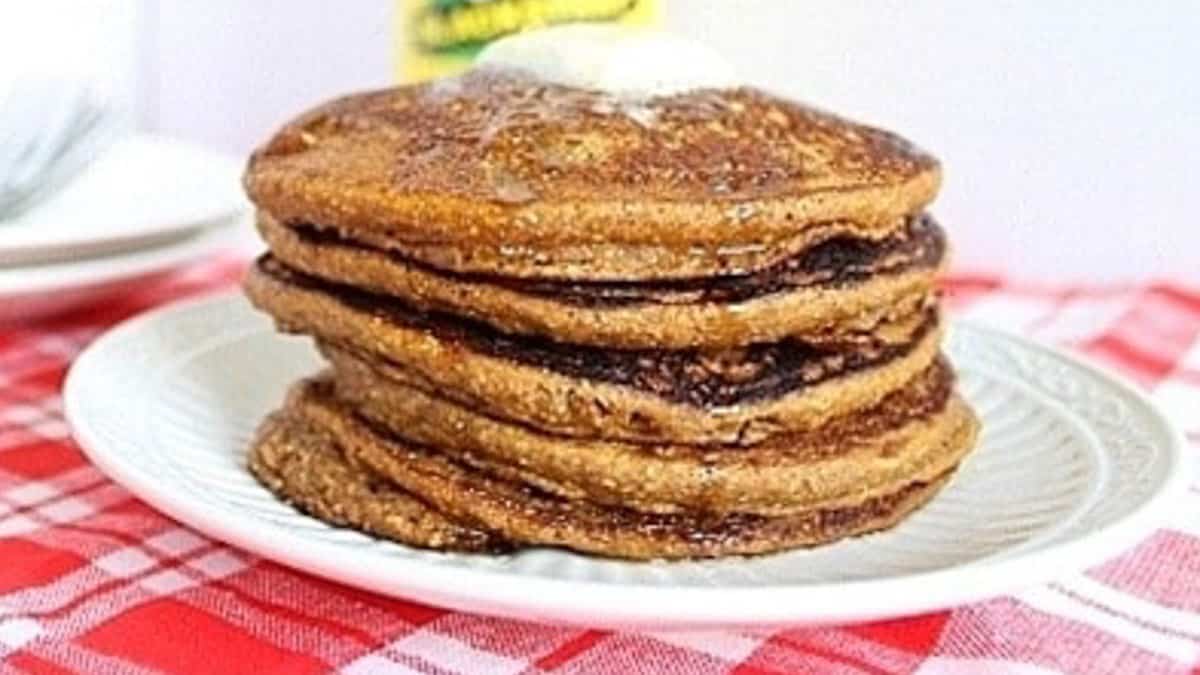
(494,171)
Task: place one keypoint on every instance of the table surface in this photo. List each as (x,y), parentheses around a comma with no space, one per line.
(94,581)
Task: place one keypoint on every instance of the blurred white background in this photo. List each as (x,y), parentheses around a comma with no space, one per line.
(1070,133)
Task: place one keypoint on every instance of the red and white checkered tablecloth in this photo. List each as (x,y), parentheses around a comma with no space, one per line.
(93,581)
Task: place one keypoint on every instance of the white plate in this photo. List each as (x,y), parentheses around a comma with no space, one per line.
(1073,467)
(38,291)
(142,191)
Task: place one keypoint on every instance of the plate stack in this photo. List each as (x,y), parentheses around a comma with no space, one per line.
(696,325)
(141,208)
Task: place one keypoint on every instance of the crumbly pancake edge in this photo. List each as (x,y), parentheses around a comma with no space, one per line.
(525,515)
(773,479)
(303,467)
(569,405)
(851,307)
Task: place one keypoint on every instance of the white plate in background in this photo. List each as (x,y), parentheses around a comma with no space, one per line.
(142,191)
(38,291)
(1073,466)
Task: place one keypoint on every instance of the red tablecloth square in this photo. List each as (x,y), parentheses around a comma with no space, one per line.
(918,634)
(173,636)
(38,564)
(39,458)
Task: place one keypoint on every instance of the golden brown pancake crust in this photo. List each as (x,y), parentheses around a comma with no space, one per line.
(706,379)
(915,434)
(526,515)
(651,406)
(496,159)
(303,465)
(839,286)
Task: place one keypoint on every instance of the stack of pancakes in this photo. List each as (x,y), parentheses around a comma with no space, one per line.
(696,325)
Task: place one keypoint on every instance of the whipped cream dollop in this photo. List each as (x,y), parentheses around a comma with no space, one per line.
(625,62)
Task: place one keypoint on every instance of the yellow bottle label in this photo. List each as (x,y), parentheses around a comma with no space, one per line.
(442,37)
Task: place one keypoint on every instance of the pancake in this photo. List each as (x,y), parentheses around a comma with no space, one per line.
(617,262)
(837,287)
(916,433)
(685,319)
(733,397)
(303,465)
(527,516)
(497,172)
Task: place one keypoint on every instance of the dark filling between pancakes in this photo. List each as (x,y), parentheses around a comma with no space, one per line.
(367,387)
(840,260)
(704,379)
